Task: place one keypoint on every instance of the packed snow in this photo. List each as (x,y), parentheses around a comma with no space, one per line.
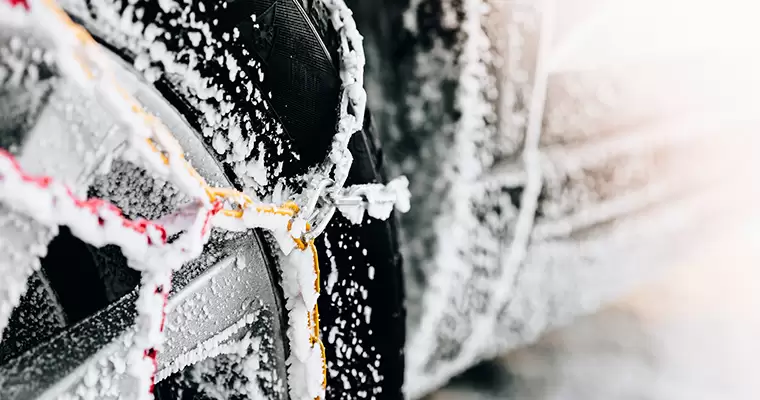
(151,145)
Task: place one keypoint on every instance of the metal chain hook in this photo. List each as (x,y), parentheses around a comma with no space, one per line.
(310,207)
(318,217)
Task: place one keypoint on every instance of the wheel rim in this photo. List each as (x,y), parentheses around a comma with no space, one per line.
(235,282)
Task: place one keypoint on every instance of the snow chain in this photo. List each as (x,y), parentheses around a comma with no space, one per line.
(144,242)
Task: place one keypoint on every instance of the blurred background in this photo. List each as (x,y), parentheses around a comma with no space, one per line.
(689,334)
(585,180)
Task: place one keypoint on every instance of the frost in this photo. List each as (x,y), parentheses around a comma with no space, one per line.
(144,243)
(353,97)
(231,65)
(332,279)
(210,348)
(195,38)
(532,207)
(246,363)
(24,243)
(306,362)
(257,170)
(219,143)
(380,200)
(150,145)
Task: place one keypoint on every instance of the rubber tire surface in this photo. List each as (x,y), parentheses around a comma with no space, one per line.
(362,312)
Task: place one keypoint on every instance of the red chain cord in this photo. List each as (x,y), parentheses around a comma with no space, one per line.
(154,234)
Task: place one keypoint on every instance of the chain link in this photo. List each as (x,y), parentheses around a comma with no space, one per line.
(79,57)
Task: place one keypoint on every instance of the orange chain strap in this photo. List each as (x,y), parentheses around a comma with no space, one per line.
(158,148)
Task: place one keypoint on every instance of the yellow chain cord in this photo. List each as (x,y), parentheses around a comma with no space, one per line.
(213,194)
